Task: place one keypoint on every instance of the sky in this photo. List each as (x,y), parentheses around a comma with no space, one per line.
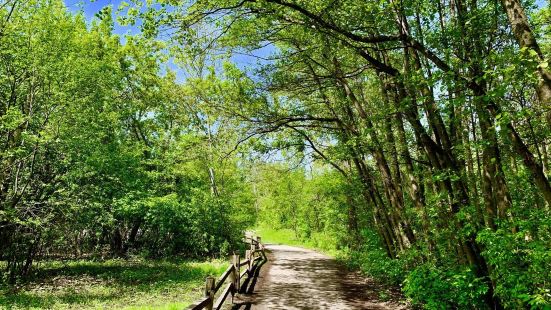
(90,8)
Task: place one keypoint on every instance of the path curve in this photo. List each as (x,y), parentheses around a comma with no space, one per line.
(298,278)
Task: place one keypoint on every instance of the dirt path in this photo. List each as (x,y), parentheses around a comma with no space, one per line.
(297,278)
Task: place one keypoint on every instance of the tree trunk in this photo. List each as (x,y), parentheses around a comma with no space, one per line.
(392,190)
(526,39)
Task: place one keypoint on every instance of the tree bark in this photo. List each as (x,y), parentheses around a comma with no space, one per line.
(526,39)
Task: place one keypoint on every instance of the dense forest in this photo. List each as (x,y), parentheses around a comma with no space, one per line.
(411,137)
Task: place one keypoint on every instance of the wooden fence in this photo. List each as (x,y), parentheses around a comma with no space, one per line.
(233,276)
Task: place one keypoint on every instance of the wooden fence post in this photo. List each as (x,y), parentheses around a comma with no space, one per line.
(248,257)
(235,275)
(209,286)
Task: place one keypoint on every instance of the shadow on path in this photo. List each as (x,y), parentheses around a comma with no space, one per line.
(297,278)
(242,301)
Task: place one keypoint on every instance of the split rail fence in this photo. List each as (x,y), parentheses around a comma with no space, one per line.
(233,276)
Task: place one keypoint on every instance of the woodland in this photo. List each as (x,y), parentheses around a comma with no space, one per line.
(410,138)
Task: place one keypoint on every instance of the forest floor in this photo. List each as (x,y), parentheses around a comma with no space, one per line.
(299,278)
(112,284)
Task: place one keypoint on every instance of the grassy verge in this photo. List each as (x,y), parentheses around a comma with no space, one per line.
(113,284)
(318,242)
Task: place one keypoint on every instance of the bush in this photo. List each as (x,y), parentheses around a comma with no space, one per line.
(440,288)
(372,260)
(521,266)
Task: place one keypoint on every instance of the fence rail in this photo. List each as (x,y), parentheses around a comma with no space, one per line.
(233,275)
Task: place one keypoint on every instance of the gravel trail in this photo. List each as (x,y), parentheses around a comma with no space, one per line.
(297,278)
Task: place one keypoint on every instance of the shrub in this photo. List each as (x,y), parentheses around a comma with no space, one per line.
(440,288)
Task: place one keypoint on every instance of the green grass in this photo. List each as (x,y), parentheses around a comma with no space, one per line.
(113,284)
(281,236)
(318,242)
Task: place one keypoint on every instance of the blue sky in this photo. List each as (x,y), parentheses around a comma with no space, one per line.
(90,8)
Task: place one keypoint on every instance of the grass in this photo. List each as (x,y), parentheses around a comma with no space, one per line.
(318,242)
(281,236)
(114,284)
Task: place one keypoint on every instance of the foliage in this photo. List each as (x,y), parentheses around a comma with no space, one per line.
(373,261)
(103,152)
(308,206)
(521,262)
(434,287)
